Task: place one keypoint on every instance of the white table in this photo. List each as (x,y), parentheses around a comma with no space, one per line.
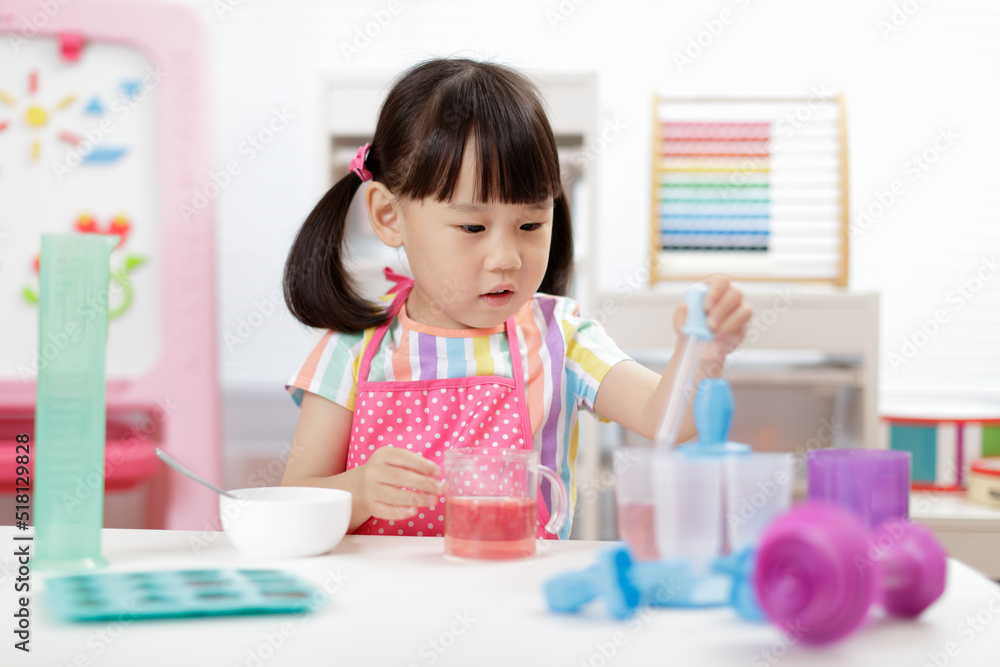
(397,601)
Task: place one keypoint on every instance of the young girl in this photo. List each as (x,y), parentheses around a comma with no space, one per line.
(479,347)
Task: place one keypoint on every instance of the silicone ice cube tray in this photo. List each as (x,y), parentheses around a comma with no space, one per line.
(177,593)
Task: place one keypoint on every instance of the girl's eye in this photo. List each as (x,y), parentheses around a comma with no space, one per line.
(531,226)
(473,229)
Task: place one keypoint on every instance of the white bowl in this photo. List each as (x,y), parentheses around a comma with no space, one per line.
(285,521)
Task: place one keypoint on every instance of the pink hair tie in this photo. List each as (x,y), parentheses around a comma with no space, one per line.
(358,164)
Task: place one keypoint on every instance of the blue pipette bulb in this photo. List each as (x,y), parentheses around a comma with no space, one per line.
(713,413)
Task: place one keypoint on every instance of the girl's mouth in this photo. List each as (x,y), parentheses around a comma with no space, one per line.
(497,298)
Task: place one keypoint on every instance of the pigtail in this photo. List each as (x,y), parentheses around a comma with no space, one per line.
(559,272)
(318,288)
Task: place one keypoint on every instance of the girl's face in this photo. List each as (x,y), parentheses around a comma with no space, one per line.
(474,264)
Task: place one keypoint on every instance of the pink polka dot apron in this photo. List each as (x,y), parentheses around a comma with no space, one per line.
(432,416)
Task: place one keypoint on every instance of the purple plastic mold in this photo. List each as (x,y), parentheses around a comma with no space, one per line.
(873,483)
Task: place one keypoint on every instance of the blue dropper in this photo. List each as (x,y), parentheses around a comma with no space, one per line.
(698,336)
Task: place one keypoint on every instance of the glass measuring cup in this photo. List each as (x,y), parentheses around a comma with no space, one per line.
(491,505)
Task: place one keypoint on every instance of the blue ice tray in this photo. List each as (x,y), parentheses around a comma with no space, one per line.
(177,593)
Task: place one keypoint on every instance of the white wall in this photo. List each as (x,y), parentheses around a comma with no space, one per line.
(936,72)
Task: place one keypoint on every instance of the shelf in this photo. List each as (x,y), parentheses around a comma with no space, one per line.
(774,367)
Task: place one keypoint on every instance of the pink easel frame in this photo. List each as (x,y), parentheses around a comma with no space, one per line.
(181,392)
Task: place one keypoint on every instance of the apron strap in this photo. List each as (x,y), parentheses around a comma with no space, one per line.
(402,289)
(400,280)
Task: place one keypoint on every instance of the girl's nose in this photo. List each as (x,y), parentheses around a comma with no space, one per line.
(503,256)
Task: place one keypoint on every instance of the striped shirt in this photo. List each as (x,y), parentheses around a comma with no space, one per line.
(565,357)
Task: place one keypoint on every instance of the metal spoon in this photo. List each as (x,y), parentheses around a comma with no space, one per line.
(184,471)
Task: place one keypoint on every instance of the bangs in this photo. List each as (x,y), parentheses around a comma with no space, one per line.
(516,159)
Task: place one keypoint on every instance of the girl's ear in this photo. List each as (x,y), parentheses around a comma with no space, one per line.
(383,214)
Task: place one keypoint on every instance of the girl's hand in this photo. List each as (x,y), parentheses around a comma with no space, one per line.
(395,482)
(727,315)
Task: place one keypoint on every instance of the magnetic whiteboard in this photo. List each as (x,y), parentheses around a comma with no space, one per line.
(77,150)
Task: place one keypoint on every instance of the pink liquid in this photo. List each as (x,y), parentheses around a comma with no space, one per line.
(636,528)
(489,528)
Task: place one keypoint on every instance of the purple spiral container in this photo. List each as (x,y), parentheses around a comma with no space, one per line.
(873,483)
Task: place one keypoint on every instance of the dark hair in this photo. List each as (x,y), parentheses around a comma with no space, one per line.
(417,153)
